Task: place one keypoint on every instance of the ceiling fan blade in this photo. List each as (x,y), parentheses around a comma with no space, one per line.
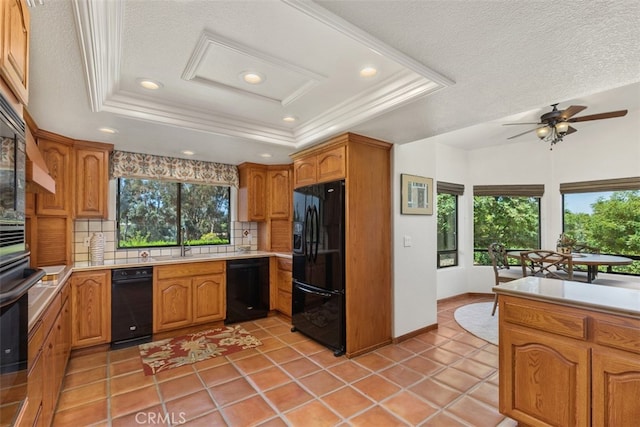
(571,111)
(571,130)
(523,133)
(609,115)
(511,124)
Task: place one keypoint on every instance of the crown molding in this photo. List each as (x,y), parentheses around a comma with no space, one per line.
(99,29)
(135,107)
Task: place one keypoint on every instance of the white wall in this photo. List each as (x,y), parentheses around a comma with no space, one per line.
(600,150)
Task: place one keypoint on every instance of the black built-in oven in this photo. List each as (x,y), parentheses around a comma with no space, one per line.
(16,276)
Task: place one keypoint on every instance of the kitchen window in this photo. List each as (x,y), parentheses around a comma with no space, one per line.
(158,213)
(447,211)
(507,214)
(605,215)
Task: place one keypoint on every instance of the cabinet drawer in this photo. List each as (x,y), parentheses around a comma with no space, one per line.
(546,317)
(50,314)
(617,332)
(36,337)
(189,269)
(283,304)
(284,264)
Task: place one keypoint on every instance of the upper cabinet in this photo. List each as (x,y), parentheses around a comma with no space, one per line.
(252,194)
(279,186)
(92,178)
(14,42)
(325,165)
(57,152)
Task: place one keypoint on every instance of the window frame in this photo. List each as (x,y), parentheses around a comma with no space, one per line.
(455,190)
(178,213)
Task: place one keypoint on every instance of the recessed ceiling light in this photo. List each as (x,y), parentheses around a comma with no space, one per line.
(252,77)
(149,84)
(188,152)
(289,119)
(368,71)
(265,155)
(108,130)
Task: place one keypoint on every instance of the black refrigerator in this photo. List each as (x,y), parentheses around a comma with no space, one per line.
(318,264)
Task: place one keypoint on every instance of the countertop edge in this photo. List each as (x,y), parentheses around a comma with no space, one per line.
(621,301)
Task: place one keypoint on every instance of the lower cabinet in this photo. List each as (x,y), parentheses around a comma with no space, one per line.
(90,308)
(49,349)
(566,366)
(188,294)
(284,286)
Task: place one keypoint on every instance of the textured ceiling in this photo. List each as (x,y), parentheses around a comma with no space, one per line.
(445,66)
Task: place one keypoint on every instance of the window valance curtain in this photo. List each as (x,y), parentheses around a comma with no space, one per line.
(450,188)
(149,166)
(619,184)
(533,190)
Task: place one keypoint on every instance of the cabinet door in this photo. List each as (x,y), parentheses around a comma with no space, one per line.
(34,391)
(91,183)
(209,295)
(90,308)
(331,165)
(252,194)
(57,156)
(283,301)
(544,380)
(616,387)
(279,194)
(49,378)
(14,62)
(172,300)
(304,171)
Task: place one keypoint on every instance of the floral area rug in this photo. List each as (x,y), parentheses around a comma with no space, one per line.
(170,353)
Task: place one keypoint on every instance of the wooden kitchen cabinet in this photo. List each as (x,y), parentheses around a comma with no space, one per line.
(58,155)
(365,166)
(284,286)
(91,179)
(90,308)
(325,165)
(49,350)
(187,294)
(567,366)
(274,234)
(14,42)
(252,193)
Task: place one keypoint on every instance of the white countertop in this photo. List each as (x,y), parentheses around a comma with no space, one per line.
(587,295)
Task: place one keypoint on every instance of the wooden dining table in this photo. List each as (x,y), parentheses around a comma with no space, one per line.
(590,260)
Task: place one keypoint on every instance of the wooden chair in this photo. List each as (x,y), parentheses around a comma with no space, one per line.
(501,270)
(543,263)
(579,275)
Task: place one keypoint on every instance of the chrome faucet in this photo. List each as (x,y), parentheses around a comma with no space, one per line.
(184,247)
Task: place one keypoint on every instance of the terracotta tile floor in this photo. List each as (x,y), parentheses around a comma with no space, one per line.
(445,377)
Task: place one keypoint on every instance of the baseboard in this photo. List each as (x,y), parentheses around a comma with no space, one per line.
(415,333)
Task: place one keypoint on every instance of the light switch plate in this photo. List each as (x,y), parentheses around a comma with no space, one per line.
(407,241)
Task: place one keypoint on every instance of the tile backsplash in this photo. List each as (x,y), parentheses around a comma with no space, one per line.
(244,234)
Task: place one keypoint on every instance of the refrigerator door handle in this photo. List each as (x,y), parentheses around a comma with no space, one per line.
(316,224)
(308,241)
(310,291)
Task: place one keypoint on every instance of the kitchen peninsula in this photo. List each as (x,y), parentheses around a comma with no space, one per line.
(569,352)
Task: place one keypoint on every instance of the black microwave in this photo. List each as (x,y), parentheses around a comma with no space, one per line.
(12,183)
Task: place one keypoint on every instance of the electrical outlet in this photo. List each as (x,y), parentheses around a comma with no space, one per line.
(87,242)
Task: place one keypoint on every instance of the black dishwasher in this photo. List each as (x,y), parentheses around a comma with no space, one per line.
(131,306)
(247,289)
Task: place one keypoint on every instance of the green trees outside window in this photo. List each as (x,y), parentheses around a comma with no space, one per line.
(609,221)
(447,230)
(154,213)
(512,221)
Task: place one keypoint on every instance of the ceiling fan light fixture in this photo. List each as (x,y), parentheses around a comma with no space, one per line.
(543,132)
(562,127)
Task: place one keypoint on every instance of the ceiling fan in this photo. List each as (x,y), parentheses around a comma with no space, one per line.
(556,123)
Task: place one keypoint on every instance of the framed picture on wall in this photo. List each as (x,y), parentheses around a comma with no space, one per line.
(417,195)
